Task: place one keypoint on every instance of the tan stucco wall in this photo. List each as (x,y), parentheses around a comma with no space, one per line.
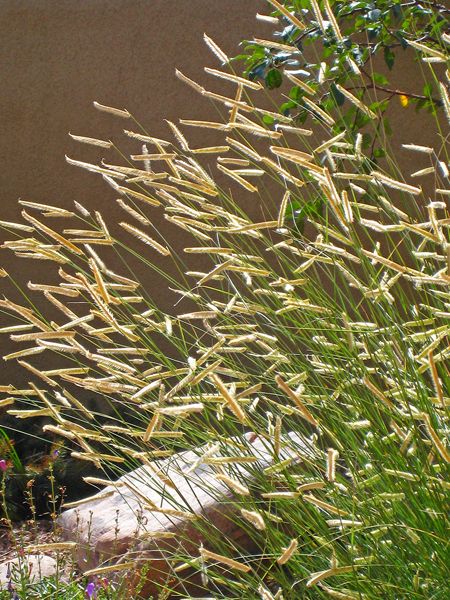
(57,56)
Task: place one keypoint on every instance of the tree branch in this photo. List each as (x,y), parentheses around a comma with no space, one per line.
(395,92)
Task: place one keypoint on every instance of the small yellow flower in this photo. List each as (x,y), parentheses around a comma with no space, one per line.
(404,100)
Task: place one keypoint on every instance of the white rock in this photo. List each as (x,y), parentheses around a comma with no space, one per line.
(33,567)
(134,519)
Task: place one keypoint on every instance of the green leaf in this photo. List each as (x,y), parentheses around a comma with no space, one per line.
(379,106)
(296,93)
(374,15)
(299,213)
(397,11)
(257,71)
(428,89)
(239,57)
(268,120)
(328,104)
(338,96)
(379,79)
(373,32)
(389,57)
(422,103)
(300,119)
(311,208)
(287,106)
(273,79)
(379,153)
(361,120)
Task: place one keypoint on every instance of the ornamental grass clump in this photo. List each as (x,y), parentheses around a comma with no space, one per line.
(326,314)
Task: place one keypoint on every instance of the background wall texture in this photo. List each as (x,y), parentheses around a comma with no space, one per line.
(57,56)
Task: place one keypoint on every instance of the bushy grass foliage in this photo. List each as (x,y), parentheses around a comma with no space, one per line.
(324,313)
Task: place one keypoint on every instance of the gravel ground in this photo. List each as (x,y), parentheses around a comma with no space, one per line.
(22,535)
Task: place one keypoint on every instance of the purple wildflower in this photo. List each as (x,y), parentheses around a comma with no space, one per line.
(91,591)
(3,465)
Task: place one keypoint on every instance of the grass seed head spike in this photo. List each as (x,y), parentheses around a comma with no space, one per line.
(52,210)
(354,100)
(143,237)
(254,517)
(190,82)
(229,562)
(267,18)
(235,109)
(276,45)
(288,552)
(220,54)
(317,111)
(332,19)
(427,50)
(301,84)
(91,141)
(445,99)
(318,15)
(235,485)
(296,399)
(290,16)
(229,399)
(332,456)
(117,112)
(234,78)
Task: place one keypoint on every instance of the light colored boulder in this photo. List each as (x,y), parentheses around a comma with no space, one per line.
(153,511)
(33,567)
